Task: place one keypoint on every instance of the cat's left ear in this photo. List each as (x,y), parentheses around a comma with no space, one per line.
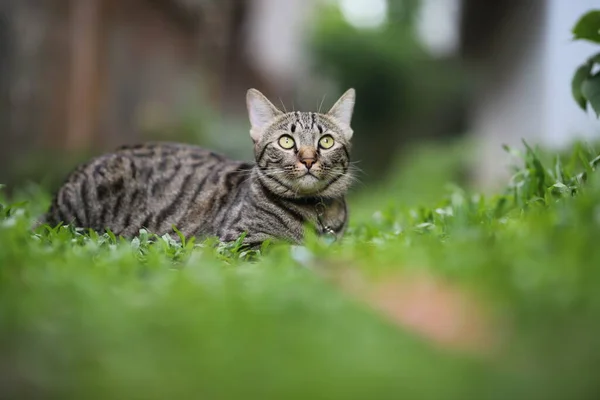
(342,111)
(261,112)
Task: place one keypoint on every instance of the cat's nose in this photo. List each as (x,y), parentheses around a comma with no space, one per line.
(309,162)
(307,156)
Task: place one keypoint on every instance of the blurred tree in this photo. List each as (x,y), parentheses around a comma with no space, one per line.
(87,75)
(33,63)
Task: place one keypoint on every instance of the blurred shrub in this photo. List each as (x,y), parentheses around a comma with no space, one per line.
(403,92)
(48,167)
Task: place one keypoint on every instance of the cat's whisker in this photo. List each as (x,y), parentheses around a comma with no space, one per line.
(354,180)
(355,170)
(283,105)
(275,173)
(321,105)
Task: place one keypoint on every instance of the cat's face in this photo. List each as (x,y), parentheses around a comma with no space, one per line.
(302,154)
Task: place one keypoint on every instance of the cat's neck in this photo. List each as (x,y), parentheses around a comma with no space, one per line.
(328,214)
(298,201)
(311,201)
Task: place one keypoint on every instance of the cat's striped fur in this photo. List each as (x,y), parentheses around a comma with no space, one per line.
(158,185)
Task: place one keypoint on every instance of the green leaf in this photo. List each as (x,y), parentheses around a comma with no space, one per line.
(585,162)
(181,235)
(595,162)
(588,27)
(111,235)
(591,90)
(582,73)
(512,151)
(558,170)
(595,59)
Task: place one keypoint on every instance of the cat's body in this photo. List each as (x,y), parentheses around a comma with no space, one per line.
(159,185)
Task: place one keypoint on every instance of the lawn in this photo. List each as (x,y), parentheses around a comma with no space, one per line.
(435,293)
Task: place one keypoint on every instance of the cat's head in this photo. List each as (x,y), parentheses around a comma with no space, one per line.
(302,154)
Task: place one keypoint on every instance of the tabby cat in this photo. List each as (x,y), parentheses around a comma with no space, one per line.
(300,177)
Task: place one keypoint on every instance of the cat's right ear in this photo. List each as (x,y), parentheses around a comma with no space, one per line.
(261,112)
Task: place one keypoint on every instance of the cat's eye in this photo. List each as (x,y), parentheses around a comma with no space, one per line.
(326,142)
(287,142)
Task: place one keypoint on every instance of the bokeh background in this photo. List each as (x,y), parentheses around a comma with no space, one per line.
(81,77)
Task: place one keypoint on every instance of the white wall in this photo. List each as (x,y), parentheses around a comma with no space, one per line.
(277,32)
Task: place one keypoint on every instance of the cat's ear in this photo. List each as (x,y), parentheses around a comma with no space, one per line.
(261,112)
(343,108)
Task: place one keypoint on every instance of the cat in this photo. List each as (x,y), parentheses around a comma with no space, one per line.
(301,175)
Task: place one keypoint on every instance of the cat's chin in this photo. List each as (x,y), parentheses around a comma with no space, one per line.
(309,185)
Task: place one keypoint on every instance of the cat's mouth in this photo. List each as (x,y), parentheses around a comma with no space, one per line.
(308,183)
(311,179)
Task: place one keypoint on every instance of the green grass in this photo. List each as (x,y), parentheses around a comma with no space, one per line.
(88,316)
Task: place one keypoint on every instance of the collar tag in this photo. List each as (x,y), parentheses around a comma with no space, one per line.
(326,231)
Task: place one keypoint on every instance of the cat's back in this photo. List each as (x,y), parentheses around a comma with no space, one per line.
(153,166)
(158,153)
(150,185)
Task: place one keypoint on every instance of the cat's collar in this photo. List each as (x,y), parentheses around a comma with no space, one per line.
(320,209)
(320,206)
(312,201)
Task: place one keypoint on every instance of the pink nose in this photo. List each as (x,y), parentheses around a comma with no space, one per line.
(309,162)
(307,156)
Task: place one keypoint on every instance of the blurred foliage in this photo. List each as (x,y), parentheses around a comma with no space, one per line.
(198,123)
(403,93)
(586,82)
(88,315)
(47,168)
(421,174)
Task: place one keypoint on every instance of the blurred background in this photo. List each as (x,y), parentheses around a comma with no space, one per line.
(80,77)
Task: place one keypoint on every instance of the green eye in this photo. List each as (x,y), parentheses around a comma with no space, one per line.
(286,142)
(326,142)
